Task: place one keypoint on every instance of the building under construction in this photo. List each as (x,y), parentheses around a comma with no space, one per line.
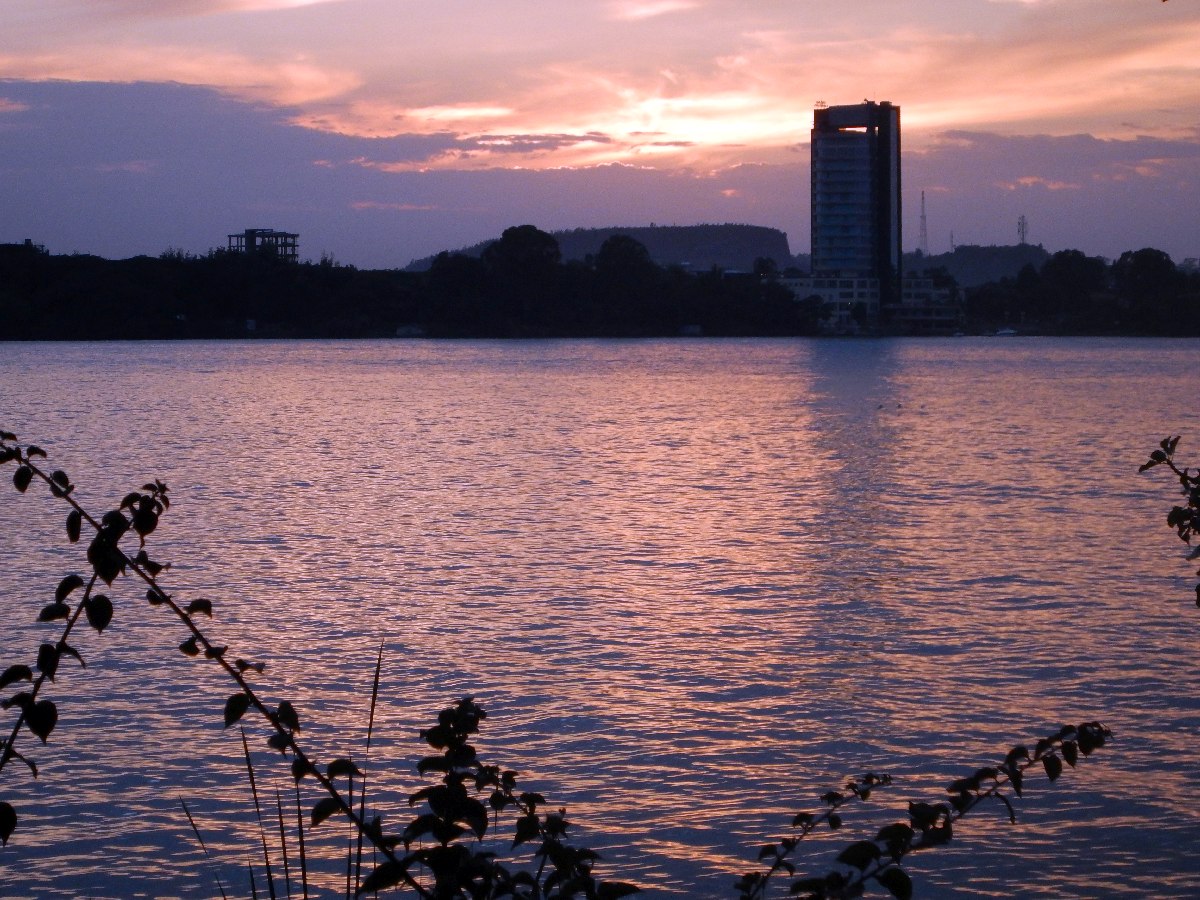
(267,241)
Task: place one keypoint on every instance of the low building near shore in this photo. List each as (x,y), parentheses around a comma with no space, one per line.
(851,305)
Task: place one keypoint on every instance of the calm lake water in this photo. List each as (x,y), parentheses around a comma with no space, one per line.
(695,583)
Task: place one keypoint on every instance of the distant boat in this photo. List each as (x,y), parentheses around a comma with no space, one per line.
(1006,332)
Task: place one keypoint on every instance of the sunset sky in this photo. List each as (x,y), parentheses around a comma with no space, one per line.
(384,130)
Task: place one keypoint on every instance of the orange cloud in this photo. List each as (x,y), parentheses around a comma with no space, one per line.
(284,82)
(1145,168)
(716,82)
(635,10)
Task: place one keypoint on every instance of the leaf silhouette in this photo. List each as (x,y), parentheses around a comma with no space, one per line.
(897,882)
(106,560)
(15,673)
(389,874)
(8,822)
(99,611)
(65,587)
(1053,766)
(60,484)
(74,525)
(235,707)
(325,808)
(52,611)
(860,854)
(64,647)
(41,718)
(22,477)
(341,767)
(22,699)
(47,660)
(528,828)
(286,714)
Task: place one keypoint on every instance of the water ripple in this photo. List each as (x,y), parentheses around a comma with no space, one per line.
(696,583)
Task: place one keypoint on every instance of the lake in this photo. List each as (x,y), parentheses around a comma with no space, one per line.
(696,584)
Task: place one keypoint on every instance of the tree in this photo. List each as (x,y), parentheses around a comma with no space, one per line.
(1150,285)
(1068,288)
(455,297)
(1145,275)
(523,253)
(629,289)
(624,260)
(523,268)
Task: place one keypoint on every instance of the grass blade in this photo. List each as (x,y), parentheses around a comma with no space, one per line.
(287,869)
(300,842)
(262,832)
(217,875)
(362,795)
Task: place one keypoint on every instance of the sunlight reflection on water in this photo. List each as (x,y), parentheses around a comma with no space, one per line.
(696,583)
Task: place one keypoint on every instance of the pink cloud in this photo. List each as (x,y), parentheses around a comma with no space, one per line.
(723,82)
(1029,181)
(392,207)
(636,10)
(160,9)
(279,82)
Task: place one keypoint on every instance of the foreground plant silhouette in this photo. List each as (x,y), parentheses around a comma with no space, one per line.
(452,811)
(439,853)
(1184,519)
(878,859)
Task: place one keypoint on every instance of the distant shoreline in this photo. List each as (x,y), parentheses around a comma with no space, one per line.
(520,288)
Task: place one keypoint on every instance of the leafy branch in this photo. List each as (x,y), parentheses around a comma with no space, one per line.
(452,814)
(753,885)
(139,513)
(930,824)
(1184,519)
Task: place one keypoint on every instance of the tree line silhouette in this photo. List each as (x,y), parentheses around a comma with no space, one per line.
(1141,292)
(520,286)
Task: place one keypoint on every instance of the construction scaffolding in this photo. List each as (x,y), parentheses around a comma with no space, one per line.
(280,244)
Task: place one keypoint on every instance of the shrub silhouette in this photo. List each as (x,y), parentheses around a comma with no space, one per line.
(1184,519)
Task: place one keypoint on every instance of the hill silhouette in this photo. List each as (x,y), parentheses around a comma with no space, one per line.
(697,248)
(972,265)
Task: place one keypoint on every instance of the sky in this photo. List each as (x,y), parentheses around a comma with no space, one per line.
(387,130)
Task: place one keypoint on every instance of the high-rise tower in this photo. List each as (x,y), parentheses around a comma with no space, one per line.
(856,194)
